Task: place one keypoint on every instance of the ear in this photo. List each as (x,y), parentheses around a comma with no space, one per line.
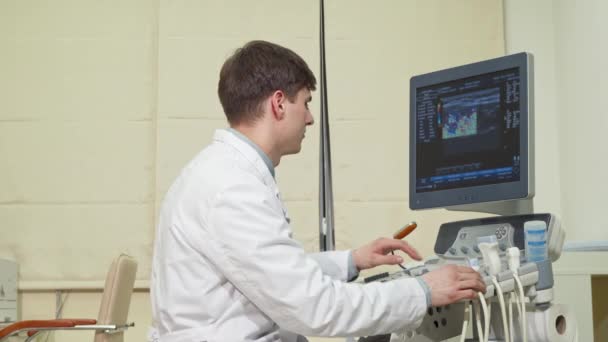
(277,104)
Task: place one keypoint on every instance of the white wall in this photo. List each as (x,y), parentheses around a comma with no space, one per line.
(567,39)
(103,103)
(582,81)
(529,27)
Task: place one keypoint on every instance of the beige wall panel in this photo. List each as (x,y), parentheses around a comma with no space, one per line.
(463,52)
(370,160)
(220,19)
(81,79)
(398,20)
(76,162)
(92,19)
(69,61)
(8,70)
(368,79)
(457,20)
(36,305)
(74,242)
(365,20)
(8,21)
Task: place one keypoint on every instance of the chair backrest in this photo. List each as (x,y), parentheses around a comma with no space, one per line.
(116,297)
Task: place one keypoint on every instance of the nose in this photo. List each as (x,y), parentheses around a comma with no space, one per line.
(309,119)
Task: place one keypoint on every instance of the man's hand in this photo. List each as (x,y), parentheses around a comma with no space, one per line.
(450,284)
(375,253)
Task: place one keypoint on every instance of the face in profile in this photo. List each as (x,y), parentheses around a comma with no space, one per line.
(297,117)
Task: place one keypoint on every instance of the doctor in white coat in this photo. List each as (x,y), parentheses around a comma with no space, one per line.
(225,265)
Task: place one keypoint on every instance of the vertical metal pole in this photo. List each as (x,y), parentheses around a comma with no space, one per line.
(58,303)
(326,201)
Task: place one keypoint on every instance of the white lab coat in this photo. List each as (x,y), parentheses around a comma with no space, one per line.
(226,268)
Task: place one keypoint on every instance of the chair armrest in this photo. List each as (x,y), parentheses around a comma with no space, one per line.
(42,324)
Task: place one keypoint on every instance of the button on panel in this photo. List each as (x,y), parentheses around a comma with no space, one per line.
(465,242)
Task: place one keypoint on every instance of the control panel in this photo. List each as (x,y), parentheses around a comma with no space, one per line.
(459,240)
(467,239)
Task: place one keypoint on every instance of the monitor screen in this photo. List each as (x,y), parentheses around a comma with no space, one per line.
(470,129)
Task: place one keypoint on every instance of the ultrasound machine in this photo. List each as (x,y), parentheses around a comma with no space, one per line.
(472,149)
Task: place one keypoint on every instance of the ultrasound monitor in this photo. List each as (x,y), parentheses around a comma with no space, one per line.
(471,134)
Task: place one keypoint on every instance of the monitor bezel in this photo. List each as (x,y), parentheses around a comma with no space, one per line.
(517,190)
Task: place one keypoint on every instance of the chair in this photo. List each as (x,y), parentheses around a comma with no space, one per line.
(114,309)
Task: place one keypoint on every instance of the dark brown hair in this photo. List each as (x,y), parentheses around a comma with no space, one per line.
(254,72)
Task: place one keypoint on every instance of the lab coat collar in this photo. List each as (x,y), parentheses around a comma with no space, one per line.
(258,149)
(248,152)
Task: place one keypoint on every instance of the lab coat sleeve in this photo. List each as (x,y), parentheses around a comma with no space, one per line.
(334,263)
(248,238)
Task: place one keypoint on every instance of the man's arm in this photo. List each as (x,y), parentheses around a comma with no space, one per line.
(247,238)
(338,265)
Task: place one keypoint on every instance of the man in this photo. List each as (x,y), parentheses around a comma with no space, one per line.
(225,265)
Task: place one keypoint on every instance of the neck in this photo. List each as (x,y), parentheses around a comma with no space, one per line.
(262,137)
